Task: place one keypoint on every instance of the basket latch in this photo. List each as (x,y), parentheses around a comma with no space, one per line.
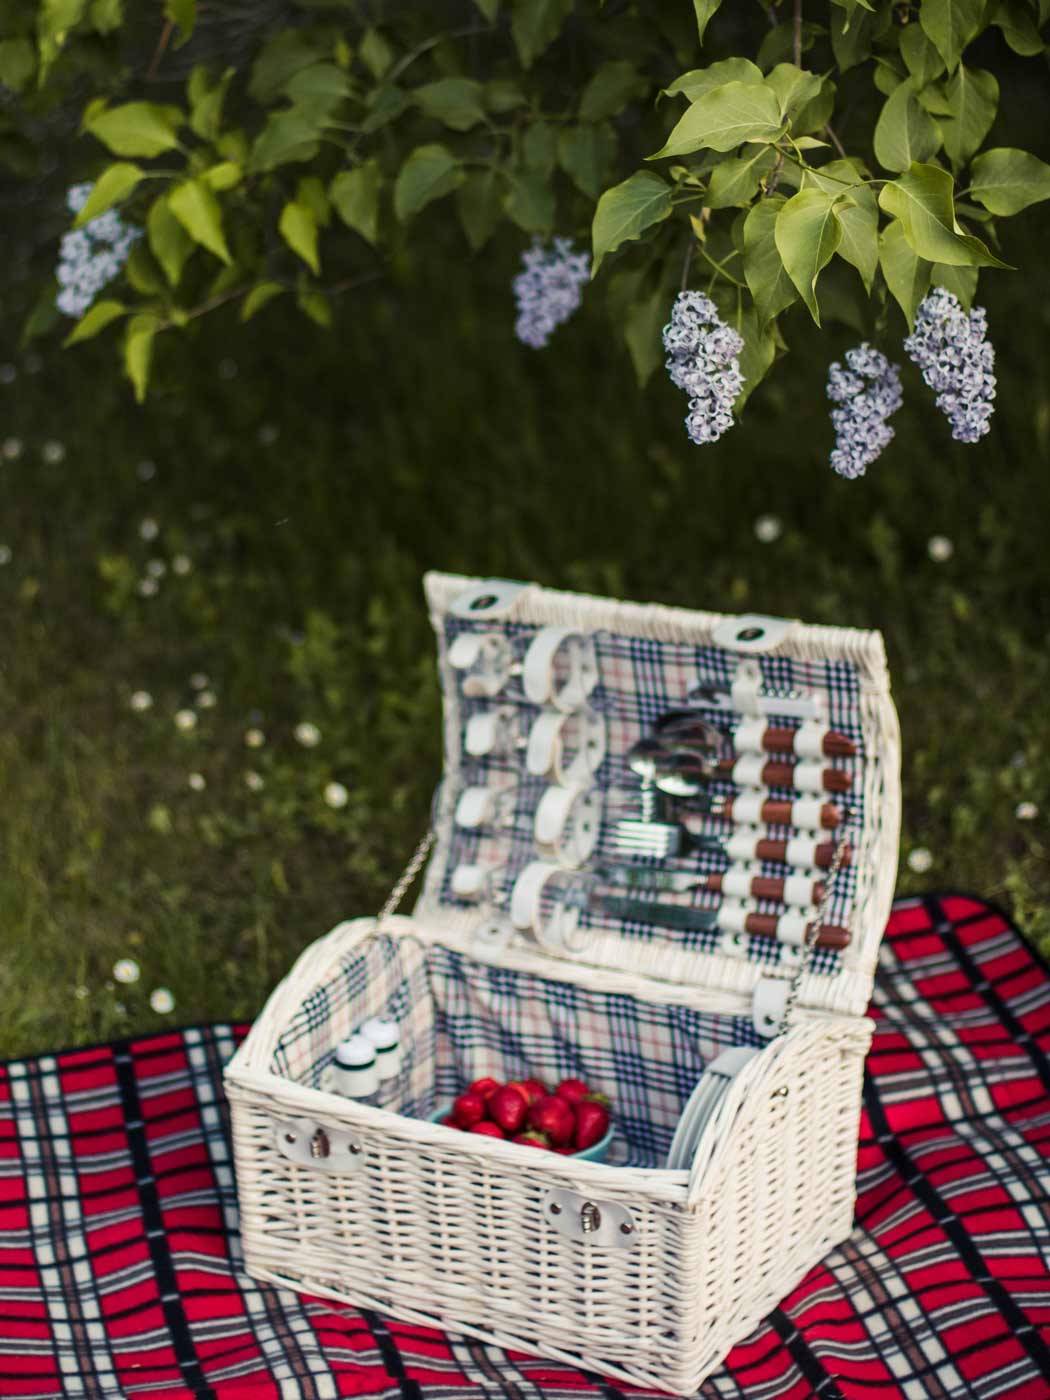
(604,1224)
(308,1144)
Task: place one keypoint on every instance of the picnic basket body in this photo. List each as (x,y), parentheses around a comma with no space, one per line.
(624,1267)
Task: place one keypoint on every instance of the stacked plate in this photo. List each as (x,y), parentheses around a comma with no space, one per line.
(703,1101)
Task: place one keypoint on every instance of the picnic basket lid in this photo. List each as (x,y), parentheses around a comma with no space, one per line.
(648,658)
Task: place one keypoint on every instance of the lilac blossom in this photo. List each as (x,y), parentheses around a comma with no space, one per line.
(90,257)
(957,362)
(702,361)
(548,289)
(867,390)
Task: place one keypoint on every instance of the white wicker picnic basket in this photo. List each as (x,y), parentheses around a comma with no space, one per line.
(624,1267)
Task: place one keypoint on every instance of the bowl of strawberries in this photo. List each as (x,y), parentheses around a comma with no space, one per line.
(570,1119)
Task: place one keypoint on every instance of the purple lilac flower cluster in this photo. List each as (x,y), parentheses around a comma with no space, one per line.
(702,360)
(90,257)
(867,390)
(957,362)
(548,289)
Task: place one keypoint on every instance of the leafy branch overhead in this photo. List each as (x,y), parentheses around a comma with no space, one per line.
(820,159)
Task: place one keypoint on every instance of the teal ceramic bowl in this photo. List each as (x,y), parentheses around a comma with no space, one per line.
(597,1153)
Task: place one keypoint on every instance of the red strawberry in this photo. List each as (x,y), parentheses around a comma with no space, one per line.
(508,1108)
(449,1122)
(592,1123)
(536,1087)
(484,1087)
(522,1087)
(488,1130)
(564,1151)
(572,1090)
(468,1109)
(554,1117)
(532,1139)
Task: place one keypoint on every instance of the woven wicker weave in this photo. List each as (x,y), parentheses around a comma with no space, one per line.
(444,1228)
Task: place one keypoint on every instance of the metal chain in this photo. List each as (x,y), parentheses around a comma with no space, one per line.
(809,944)
(405,879)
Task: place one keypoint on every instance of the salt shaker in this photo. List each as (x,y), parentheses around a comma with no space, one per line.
(355,1073)
(382,1034)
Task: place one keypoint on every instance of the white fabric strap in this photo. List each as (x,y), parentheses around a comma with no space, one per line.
(741,845)
(732,916)
(808,776)
(537,669)
(736,882)
(747,736)
(747,771)
(747,808)
(809,739)
(798,890)
(791,928)
(567,823)
(805,813)
(802,850)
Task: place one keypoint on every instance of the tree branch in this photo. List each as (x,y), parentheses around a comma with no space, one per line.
(796,41)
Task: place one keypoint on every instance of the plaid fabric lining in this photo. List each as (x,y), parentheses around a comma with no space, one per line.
(460,1020)
(640,681)
(121,1276)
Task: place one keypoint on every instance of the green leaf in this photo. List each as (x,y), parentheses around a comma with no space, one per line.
(54,21)
(735,181)
(807,233)
(143,272)
(586,154)
(529,201)
(479,203)
(1017,26)
(904,132)
(704,10)
(794,87)
(760,348)
(310,191)
(489,8)
(922,200)
(138,351)
(312,302)
(258,297)
(503,95)
(627,210)
(920,55)
(539,146)
(200,214)
(764,270)
(137,128)
(17,63)
(224,175)
(169,242)
(851,37)
(183,14)
(728,70)
(723,118)
(287,137)
(280,58)
(950,25)
(94,320)
(1006,180)
(457,102)
(429,173)
(384,106)
(906,274)
(115,182)
(971,97)
(778,43)
(535,24)
(355,194)
(609,91)
(206,99)
(105,16)
(298,227)
(645,319)
(858,217)
(376,52)
(960,281)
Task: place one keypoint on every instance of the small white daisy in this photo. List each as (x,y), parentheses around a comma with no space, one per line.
(308,734)
(940,548)
(126,970)
(253,781)
(254,738)
(156,568)
(8,374)
(5,554)
(185,720)
(227,369)
(268,434)
(920,860)
(148,587)
(197,782)
(1026,811)
(768,528)
(181,565)
(161,1001)
(53,452)
(146,471)
(141,700)
(199,681)
(80,991)
(12,448)
(148,529)
(206,700)
(336,795)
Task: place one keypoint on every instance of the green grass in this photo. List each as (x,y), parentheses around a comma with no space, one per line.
(418,435)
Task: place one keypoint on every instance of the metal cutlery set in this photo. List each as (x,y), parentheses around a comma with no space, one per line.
(572,820)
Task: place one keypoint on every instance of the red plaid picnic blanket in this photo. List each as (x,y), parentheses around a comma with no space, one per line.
(121,1275)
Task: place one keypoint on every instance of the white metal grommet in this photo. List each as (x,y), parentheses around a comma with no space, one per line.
(752,632)
(493,597)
